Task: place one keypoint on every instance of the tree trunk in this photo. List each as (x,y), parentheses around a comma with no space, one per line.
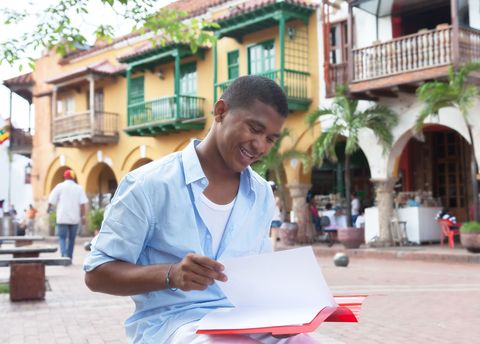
(282,192)
(473,171)
(348,190)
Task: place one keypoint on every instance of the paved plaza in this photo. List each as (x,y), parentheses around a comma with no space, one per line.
(408,302)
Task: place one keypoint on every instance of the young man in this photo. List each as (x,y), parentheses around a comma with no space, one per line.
(172,220)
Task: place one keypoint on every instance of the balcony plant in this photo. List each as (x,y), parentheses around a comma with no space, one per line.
(459,93)
(271,166)
(95,219)
(347,121)
(470,236)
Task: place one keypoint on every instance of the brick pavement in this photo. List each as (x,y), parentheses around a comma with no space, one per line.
(409,301)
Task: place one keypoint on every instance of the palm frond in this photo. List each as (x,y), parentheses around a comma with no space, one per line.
(314,116)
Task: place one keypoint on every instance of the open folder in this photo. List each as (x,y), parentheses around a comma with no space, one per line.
(280,293)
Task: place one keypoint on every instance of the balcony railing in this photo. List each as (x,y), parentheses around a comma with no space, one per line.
(165,109)
(295,86)
(337,76)
(70,129)
(164,115)
(426,49)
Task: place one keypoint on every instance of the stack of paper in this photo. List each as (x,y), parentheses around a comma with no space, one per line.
(281,293)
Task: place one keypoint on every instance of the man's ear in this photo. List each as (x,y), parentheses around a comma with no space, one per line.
(220,110)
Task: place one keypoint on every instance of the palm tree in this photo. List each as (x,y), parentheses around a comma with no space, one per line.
(271,165)
(347,122)
(457,92)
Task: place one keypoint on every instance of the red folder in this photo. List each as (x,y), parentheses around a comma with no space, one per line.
(348,310)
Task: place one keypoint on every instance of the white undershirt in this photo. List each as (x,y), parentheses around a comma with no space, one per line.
(215,217)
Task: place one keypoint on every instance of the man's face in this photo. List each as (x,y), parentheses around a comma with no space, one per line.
(246,134)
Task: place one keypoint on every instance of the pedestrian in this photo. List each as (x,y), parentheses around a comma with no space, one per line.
(70,201)
(171,221)
(355,204)
(277,217)
(30,215)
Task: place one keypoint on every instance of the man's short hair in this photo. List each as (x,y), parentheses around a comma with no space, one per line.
(245,90)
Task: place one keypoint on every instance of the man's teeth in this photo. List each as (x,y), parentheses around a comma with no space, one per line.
(246,153)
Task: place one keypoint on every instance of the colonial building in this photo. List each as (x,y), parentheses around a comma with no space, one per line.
(111,108)
(383,50)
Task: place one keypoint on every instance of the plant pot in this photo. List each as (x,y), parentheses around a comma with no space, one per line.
(351,237)
(288,233)
(471,241)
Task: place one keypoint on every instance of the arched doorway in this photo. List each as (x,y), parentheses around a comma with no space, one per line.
(140,163)
(436,171)
(329,183)
(58,176)
(101,185)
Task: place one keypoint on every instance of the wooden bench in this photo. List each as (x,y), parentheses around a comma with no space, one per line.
(27,276)
(21,240)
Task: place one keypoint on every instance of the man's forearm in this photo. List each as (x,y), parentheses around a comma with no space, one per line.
(125,279)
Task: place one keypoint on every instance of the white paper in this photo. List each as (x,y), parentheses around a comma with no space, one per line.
(274,289)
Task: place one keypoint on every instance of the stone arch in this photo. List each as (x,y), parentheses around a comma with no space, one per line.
(100,182)
(132,158)
(54,175)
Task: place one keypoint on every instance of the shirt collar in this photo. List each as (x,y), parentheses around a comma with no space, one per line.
(191,165)
(193,170)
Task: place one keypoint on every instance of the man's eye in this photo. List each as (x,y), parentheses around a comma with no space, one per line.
(255,130)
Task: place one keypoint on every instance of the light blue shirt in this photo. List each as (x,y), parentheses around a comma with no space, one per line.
(152,219)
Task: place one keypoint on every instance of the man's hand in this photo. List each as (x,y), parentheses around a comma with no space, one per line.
(196,272)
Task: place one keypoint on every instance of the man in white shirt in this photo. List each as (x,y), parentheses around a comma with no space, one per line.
(70,200)
(355,203)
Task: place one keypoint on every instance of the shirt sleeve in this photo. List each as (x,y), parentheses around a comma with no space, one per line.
(125,228)
(83,198)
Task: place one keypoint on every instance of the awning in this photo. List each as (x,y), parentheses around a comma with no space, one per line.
(382,8)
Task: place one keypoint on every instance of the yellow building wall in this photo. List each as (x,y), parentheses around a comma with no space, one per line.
(50,161)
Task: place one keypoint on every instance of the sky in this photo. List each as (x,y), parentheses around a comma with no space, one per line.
(98,13)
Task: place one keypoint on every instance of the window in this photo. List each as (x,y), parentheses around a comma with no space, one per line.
(261,57)
(338,42)
(66,106)
(232,59)
(137,91)
(188,79)
(98,100)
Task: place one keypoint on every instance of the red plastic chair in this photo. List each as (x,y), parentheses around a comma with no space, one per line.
(449,230)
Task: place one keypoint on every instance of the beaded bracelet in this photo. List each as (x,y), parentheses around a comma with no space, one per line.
(167,279)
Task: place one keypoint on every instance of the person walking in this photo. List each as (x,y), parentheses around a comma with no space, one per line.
(70,201)
(30,215)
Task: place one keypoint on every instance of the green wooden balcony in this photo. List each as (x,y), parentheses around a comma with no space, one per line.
(166,115)
(295,85)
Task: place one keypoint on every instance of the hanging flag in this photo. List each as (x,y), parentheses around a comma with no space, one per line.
(4,134)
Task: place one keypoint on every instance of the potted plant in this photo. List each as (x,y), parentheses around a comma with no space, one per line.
(271,165)
(470,236)
(95,219)
(347,121)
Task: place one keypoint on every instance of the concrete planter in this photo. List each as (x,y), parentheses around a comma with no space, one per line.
(471,241)
(351,237)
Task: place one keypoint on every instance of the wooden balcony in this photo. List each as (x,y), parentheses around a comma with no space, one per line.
(166,115)
(21,142)
(79,129)
(410,60)
(296,86)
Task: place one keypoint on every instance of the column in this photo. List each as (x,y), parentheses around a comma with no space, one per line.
(298,193)
(91,102)
(176,53)
(384,201)
(54,114)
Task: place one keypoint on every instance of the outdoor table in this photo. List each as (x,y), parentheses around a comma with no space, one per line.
(27,251)
(21,240)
